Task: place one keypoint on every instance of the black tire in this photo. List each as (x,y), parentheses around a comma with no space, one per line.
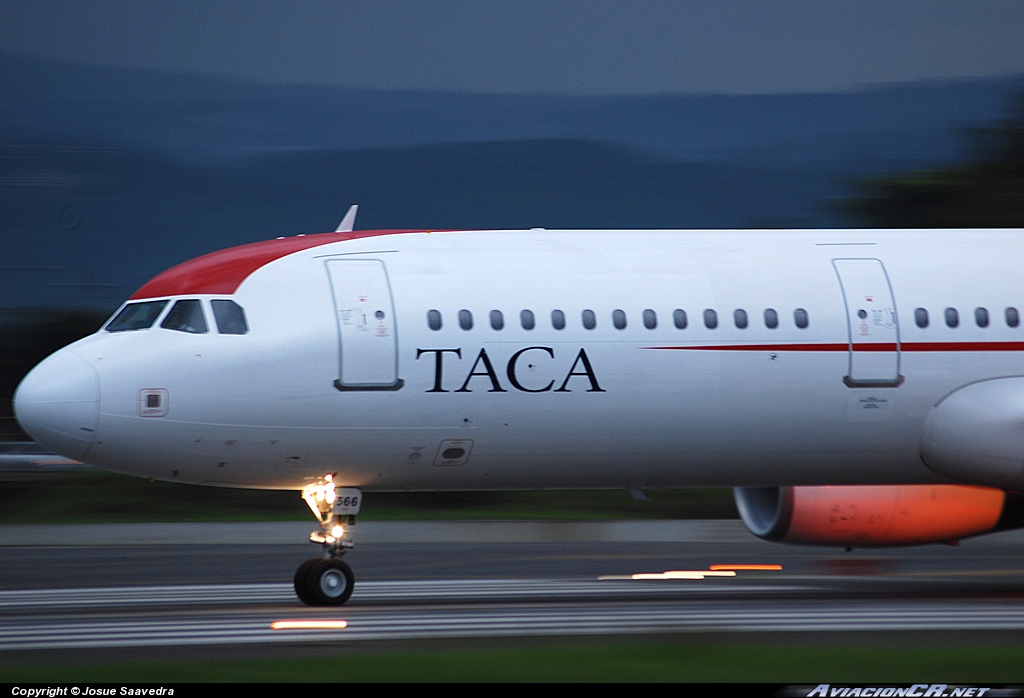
(302,581)
(329,583)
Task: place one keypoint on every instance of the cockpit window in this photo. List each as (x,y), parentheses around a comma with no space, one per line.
(186,316)
(230,317)
(136,316)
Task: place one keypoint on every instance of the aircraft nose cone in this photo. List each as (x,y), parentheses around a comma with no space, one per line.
(58,404)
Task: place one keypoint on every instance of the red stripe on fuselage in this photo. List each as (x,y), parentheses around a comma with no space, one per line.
(962,346)
(761,347)
(881,346)
(224,271)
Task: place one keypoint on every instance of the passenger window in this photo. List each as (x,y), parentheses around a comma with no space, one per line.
(679,318)
(1012,317)
(589,319)
(921,317)
(619,319)
(952,317)
(800,318)
(186,316)
(229,316)
(434,319)
(771,319)
(527,320)
(558,319)
(650,319)
(710,319)
(497,320)
(136,316)
(981,317)
(739,316)
(465,319)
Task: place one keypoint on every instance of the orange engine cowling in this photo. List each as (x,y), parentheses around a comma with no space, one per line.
(856,516)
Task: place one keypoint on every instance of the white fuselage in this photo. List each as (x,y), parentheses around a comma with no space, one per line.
(341,372)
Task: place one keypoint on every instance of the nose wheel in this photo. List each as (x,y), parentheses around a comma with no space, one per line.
(327,580)
(324,582)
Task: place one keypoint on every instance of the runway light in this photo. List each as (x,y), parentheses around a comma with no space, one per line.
(677,574)
(309,625)
(746,567)
(712,571)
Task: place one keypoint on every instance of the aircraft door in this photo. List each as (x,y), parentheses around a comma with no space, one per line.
(366,325)
(872,323)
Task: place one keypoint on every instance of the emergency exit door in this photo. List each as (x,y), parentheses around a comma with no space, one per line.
(872,323)
(366,325)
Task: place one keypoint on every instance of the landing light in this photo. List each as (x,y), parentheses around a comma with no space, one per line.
(338,531)
(309,625)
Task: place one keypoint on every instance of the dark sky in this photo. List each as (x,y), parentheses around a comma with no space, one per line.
(574,46)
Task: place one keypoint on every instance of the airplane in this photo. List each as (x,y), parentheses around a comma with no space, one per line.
(856,387)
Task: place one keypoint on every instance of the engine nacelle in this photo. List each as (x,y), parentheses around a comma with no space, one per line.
(857,516)
(976,434)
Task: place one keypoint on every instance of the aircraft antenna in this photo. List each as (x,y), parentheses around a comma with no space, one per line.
(348,223)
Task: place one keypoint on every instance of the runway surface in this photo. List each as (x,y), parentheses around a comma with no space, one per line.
(120,596)
(243,614)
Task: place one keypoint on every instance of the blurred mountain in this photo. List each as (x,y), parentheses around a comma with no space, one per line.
(86,226)
(110,175)
(204,118)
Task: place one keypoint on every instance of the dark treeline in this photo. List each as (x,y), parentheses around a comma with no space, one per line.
(986,191)
(26,338)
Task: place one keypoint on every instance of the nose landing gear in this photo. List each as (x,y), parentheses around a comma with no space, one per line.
(327,580)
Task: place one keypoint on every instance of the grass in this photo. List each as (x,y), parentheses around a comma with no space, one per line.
(616,659)
(101,497)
